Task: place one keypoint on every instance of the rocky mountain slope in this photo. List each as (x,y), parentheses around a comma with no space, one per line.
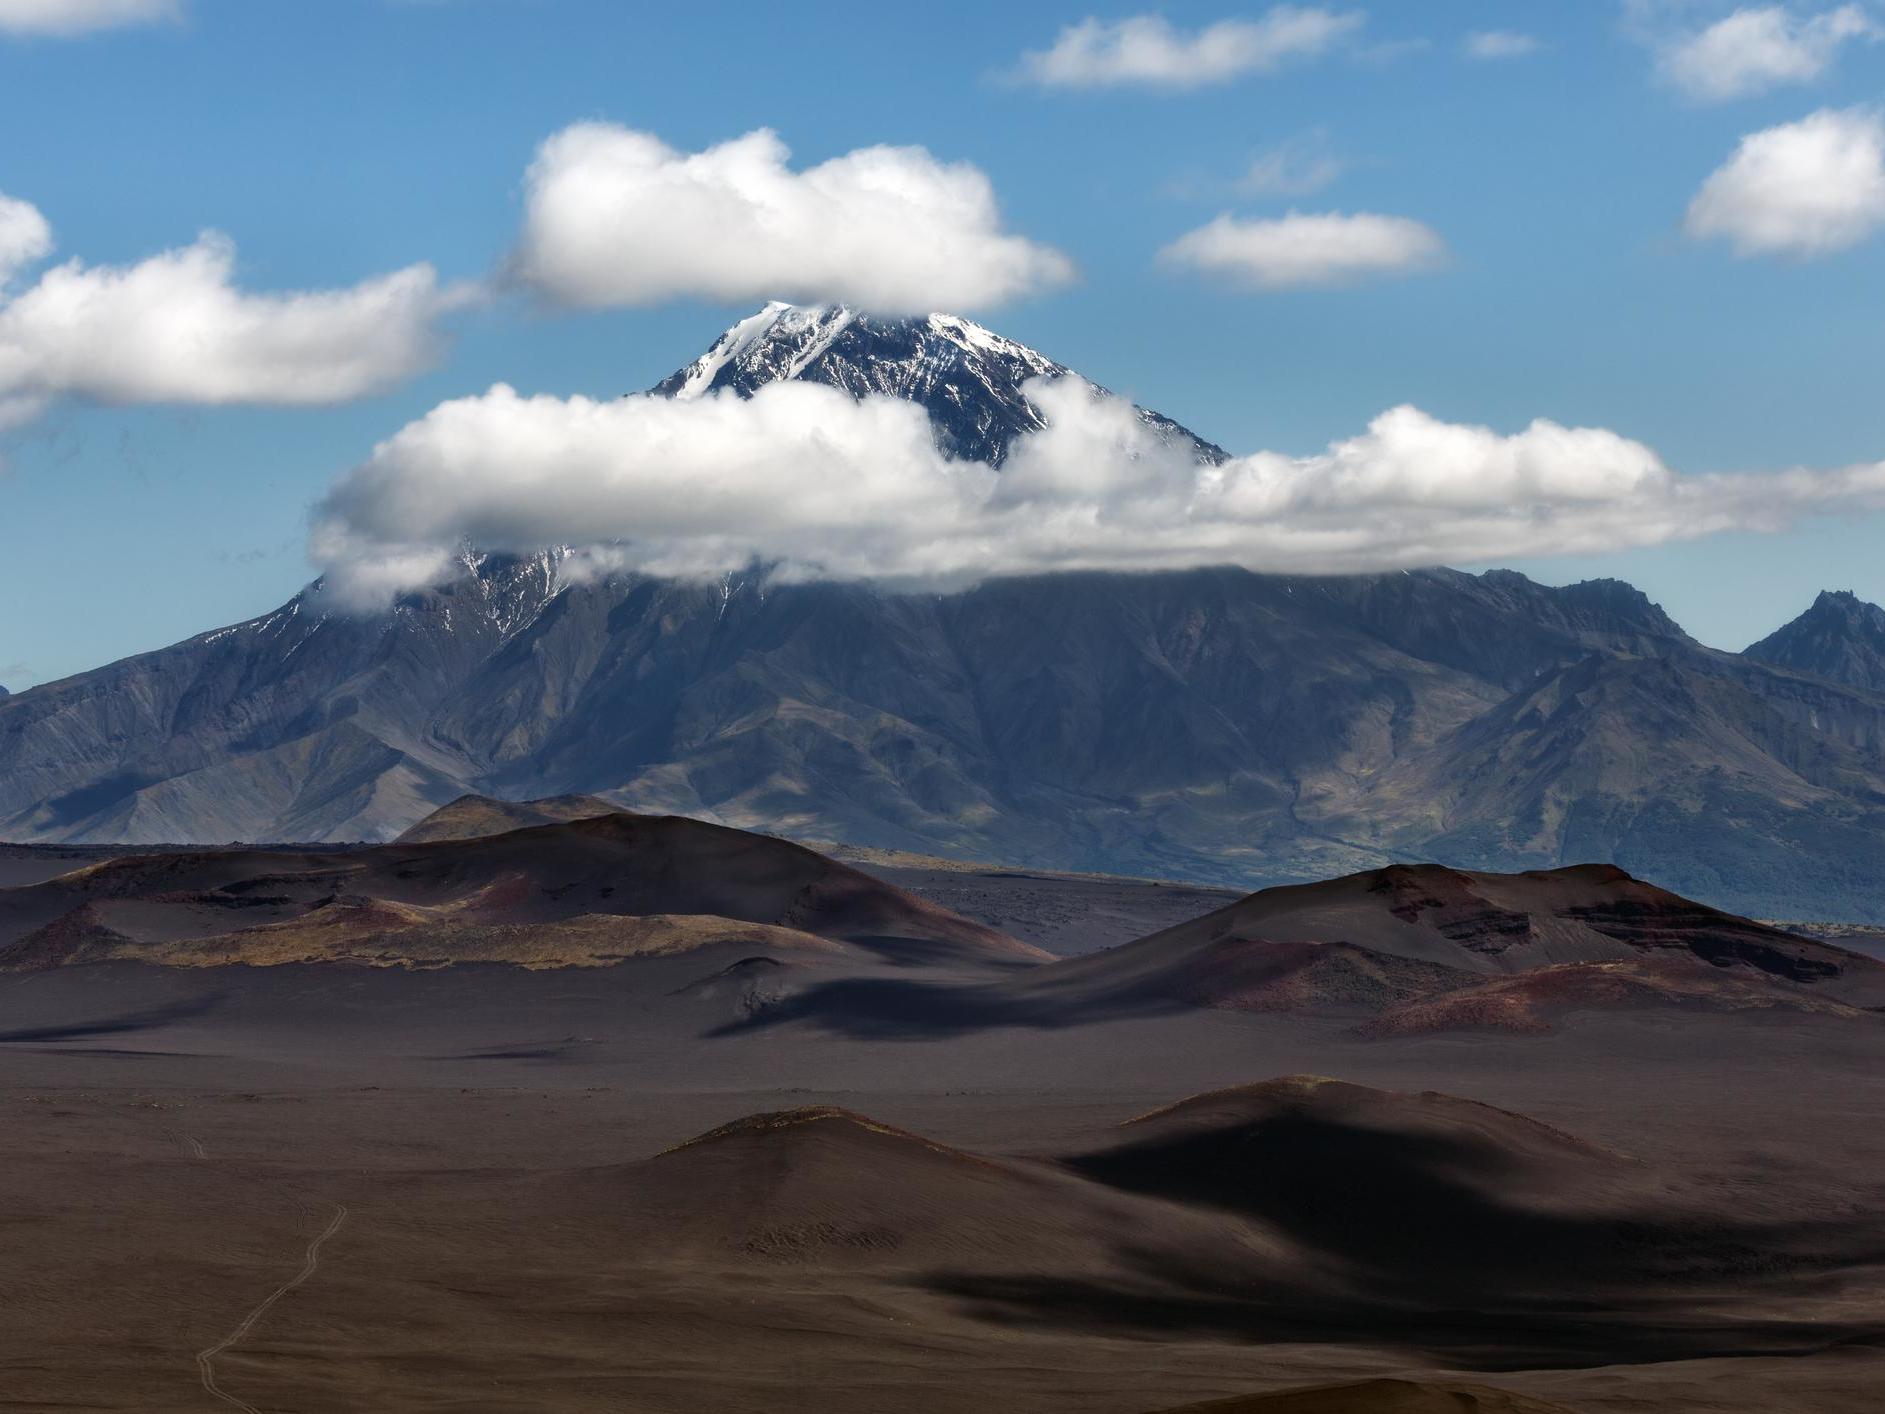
(1841,637)
(1214,725)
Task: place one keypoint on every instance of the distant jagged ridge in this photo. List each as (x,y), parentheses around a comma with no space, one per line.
(1841,637)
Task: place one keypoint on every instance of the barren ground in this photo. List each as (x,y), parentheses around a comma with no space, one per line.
(174,1142)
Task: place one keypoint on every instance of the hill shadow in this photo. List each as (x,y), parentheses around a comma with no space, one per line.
(884,1009)
(146,1019)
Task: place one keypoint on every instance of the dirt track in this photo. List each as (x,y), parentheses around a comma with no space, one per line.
(205,1359)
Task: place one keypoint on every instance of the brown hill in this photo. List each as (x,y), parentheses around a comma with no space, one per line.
(1296,1209)
(470,816)
(493,896)
(1405,950)
(1379,1397)
(825,1187)
(1450,946)
(1494,923)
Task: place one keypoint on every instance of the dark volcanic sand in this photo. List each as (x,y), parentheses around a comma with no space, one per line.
(175,1140)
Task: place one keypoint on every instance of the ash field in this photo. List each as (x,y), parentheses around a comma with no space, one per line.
(531,1112)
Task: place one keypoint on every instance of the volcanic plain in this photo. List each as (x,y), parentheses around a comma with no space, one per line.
(541,1111)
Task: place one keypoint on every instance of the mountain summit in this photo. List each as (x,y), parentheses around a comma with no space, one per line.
(1213,724)
(1841,637)
(969,379)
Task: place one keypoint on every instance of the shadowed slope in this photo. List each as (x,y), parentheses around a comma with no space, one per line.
(1295,1210)
(1320,1158)
(1445,1226)
(1379,1397)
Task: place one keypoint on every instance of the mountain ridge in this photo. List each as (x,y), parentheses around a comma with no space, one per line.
(1215,725)
(1840,637)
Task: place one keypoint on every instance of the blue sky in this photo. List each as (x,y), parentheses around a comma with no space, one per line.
(335,142)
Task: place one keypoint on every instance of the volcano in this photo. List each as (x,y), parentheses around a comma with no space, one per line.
(1212,725)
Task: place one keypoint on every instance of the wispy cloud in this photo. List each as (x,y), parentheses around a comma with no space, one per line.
(1490,45)
(1148,51)
(1303,250)
(616,217)
(1758,48)
(1296,167)
(67,18)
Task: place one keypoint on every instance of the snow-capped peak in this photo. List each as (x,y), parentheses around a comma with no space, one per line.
(967,334)
(806,331)
(968,378)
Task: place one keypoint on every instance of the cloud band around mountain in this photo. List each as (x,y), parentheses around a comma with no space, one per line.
(817,485)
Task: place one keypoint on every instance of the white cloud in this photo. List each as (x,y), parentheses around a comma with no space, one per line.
(174,328)
(1146,51)
(1802,189)
(817,485)
(616,217)
(70,17)
(24,237)
(1493,44)
(1759,48)
(1300,250)
(1294,168)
